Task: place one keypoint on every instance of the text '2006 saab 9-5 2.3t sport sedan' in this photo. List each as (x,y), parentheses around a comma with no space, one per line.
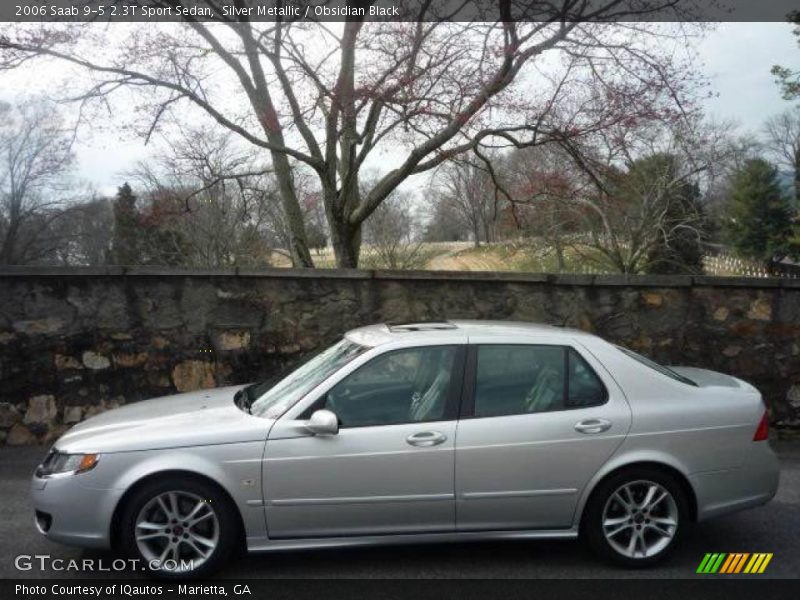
(420,432)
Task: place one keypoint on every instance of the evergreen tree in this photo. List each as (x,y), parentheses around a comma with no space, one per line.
(759,221)
(683,224)
(661,207)
(788,79)
(681,250)
(125,242)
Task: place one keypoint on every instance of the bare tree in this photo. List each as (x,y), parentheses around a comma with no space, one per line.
(733,152)
(429,89)
(392,236)
(640,208)
(440,226)
(542,184)
(783,142)
(627,199)
(466,190)
(84,232)
(35,159)
(209,199)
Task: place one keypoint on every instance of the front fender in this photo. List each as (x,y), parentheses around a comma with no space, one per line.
(234,467)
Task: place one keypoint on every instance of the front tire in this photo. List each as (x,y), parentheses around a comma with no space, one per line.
(179,527)
(636,517)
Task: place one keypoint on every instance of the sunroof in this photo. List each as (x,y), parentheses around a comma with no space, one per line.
(421,326)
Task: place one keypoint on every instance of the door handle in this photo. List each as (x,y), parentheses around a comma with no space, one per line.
(426,438)
(593,426)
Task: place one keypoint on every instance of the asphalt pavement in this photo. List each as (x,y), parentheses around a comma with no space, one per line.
(774,528)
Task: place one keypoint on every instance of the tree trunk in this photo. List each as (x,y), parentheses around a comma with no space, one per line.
(8,247)
(559,255)
(345,237)
(346,242)
(298,245)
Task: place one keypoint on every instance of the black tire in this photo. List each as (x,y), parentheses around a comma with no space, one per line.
(227,525)
(592,523)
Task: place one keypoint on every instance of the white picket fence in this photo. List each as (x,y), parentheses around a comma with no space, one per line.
(719,265)
(725,265)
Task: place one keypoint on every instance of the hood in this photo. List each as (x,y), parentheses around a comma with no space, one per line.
(707,379)
(193,419)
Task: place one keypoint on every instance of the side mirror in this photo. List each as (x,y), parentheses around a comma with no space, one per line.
(323,422)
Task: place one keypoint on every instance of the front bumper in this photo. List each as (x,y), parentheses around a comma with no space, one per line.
(69,512)
(730,490)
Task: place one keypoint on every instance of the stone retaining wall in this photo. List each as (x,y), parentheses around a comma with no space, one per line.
(74,342)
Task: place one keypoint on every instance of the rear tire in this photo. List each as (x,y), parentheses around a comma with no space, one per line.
(636,517)
(183,520)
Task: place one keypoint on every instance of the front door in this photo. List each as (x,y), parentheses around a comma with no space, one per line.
(390,468)
(538,423)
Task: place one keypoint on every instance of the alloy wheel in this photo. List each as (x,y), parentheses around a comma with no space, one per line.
(177,526)
(640,519)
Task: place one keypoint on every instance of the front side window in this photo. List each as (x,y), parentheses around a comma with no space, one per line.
(403,386)
(520,379)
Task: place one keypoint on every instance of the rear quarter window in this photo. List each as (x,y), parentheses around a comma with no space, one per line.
(656,367)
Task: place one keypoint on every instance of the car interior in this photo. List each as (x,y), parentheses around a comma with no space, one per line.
(518,380)
(399,387)
(409,386)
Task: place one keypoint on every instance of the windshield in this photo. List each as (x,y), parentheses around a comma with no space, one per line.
(270,399)
(657,367)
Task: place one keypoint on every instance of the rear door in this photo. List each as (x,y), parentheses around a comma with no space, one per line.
(538,420)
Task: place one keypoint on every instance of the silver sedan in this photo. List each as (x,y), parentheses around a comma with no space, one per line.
(421,432)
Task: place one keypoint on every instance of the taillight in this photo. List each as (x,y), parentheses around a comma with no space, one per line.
(762,431)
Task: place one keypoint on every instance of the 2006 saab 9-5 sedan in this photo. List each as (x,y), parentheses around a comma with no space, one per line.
(420,432)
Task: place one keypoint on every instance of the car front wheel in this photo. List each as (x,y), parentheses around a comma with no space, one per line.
(179,527)
(635,517)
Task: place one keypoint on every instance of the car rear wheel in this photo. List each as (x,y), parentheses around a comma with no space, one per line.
(179,527)
(636,517)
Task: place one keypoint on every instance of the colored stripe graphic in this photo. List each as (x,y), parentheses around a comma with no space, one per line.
(753,564)
(741,562)
(711,563)
(728,562)
(704,563)
(758,563)
(734,562)
(765,563)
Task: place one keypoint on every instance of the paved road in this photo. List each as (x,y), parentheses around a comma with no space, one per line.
(772,528)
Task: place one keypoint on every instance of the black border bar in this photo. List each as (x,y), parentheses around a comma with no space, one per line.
(396,10)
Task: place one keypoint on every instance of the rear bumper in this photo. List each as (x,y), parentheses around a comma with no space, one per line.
(730,490)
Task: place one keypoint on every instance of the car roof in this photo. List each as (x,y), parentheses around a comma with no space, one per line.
(384,333)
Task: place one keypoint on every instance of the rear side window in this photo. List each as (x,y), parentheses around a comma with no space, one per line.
(584,386)
(526,379)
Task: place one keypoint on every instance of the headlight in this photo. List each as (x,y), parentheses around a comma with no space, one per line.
(58,462)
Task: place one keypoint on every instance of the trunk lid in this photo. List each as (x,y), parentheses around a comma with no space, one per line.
(712,379)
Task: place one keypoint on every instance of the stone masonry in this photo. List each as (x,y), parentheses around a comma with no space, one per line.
(75,342)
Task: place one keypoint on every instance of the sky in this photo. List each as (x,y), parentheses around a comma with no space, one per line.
(736,58)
